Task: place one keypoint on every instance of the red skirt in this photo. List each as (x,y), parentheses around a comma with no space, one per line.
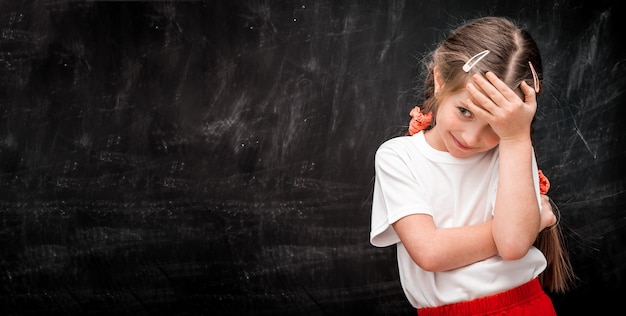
(526,299)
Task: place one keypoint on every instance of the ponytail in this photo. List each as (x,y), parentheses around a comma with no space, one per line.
(558,276)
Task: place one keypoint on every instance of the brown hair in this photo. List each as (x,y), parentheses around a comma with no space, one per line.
(558,275)
(511,48)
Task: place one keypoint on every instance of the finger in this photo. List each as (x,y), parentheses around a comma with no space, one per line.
(548,219)
(547,213)
(530,96)
(502,87)
(478,103)
(478,110)
(545,201)
(492,87)
(552,220)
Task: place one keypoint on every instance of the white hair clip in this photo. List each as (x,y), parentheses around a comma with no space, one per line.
(535,78)
(472,61)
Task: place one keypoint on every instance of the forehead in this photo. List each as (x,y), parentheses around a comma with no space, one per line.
(455,98)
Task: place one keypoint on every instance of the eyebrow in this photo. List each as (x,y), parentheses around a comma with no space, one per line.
(462,103)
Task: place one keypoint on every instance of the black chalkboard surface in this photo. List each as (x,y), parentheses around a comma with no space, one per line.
(216,157)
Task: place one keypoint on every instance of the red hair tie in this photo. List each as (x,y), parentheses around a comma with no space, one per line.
(544,184)
(419,120)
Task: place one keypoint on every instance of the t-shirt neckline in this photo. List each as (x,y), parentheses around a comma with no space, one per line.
(443,156)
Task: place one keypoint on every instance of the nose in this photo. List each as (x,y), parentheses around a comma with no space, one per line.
(474,133)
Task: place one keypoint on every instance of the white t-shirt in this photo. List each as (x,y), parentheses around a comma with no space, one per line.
(414,178)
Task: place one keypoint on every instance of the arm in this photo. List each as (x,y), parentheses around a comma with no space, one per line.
(450,248)
(516,214)
(517,218)
(444,249)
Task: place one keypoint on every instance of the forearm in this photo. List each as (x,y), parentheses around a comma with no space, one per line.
(516,215)
(441,249)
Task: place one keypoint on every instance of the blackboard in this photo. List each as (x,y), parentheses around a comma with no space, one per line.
(216,157)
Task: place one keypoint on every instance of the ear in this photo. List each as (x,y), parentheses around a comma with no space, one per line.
(438,79)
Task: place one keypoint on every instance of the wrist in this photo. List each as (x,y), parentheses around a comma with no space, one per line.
(522,140)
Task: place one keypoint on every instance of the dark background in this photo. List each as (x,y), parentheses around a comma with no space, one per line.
(216,158)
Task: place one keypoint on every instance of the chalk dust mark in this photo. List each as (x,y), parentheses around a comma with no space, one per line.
(580,135)
(584,141)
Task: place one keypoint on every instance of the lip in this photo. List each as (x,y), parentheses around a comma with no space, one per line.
(459,145)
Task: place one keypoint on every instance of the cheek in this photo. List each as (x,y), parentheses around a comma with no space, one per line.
(491,139)
(447,119)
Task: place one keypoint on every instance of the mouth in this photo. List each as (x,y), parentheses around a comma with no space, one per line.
(460,145)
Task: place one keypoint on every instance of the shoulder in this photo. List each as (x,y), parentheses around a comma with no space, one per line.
(400,143)
(397,152)
(397,146)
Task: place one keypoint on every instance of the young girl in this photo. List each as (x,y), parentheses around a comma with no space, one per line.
(460,194)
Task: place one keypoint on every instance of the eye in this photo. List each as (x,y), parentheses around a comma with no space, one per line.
(465,112)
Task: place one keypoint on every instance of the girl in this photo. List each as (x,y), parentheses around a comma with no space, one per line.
(460,197)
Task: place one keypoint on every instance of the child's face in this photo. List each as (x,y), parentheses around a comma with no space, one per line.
(458,131)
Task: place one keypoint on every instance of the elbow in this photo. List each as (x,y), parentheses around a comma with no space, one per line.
(513,255)
(428,265)
(514,244)
(429,261)
(513,250)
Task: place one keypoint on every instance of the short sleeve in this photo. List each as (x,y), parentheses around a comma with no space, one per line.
(397,193)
